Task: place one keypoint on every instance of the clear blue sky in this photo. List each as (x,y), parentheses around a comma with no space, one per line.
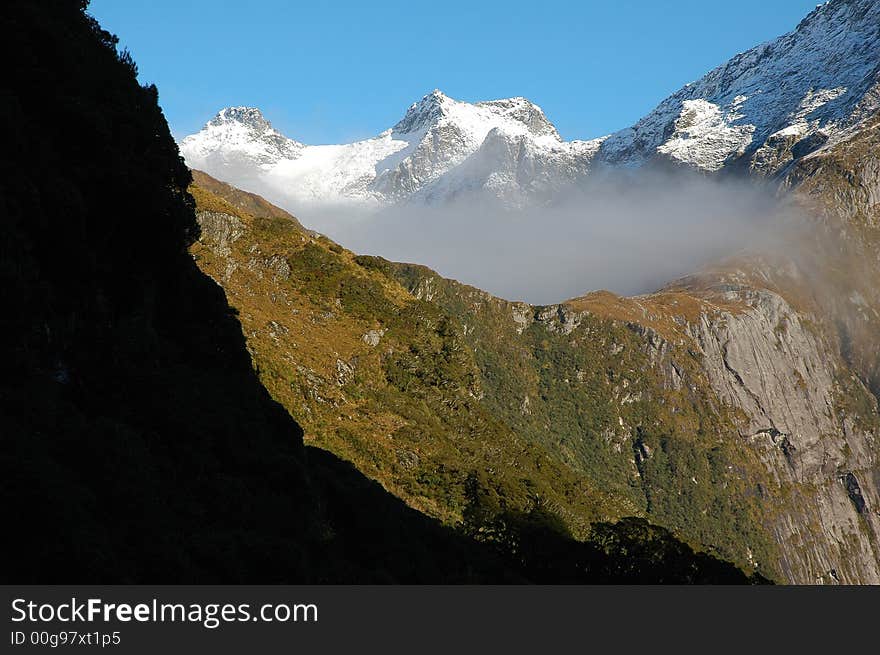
(329,72)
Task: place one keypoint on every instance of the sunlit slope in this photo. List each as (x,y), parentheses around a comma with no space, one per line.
(445,394)
(720,407)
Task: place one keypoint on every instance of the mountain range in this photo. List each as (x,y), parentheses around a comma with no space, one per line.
(199,388)
(761,111)
(736,406)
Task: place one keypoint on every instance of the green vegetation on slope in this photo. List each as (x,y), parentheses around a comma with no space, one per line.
(428,387)
(379,377)
(585,381)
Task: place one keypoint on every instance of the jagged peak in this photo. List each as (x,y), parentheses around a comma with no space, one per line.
(831,7)
(241,127)
(429,109)
(523,111)
(251,116)
(819,78)
(436,106)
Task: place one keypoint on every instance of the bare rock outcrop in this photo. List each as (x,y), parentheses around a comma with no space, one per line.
(783,378)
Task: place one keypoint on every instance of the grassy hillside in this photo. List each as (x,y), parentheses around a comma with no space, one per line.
(471,408)
(588,383)
(381,378)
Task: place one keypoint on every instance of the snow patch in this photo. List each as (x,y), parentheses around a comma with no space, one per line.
(706,138)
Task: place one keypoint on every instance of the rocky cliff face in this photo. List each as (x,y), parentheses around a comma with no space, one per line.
(796,401)
(801,364)
(792,402)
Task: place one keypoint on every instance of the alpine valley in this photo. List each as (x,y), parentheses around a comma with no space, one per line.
(201,388)
(735,407)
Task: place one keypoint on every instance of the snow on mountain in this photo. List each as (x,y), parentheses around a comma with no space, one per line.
(760,111)
(507,146)
(771,104)
(241,133)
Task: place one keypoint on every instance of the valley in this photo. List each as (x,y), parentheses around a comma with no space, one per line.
(205,387)
(735,406)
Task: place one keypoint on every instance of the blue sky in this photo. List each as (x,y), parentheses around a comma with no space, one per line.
(338,71)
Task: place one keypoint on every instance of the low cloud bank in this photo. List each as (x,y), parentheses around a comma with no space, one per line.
(629,233)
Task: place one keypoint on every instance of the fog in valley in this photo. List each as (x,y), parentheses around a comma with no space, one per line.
(629,233)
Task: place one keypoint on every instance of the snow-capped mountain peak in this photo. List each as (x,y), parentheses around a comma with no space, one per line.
(424,113)
(417,158)
(759,112)
(772,103)
(516,115)
(239,136)
(250,116)
(525,112)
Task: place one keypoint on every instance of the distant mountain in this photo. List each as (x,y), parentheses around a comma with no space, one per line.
(760,111)
(772,104)
(440,149)
(244,130)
